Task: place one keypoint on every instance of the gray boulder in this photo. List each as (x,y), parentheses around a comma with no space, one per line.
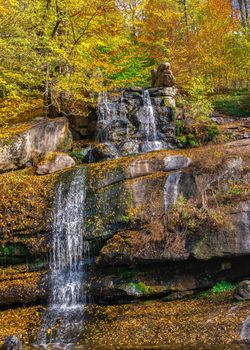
(176,162)
(243,291)
(55,162)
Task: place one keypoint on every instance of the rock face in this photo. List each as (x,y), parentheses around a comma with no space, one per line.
(162,76)
(55,162)
(39,138)
(158,256)
(137,120)
(161,224)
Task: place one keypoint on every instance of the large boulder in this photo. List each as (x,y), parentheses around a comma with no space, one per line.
(151,197)
(176,162)
(39,138)
(101,152)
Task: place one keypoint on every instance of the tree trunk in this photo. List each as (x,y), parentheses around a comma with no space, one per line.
(246,11)
(185,12)
(242,13)
(46,98)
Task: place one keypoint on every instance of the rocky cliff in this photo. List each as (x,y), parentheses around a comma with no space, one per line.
(166,223)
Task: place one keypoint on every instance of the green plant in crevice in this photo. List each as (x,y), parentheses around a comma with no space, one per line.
(140,287)
(126,275)
(223,286)
(179,124)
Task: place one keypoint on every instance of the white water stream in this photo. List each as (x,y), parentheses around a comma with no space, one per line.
(171,189)
(63,320)
(110,112)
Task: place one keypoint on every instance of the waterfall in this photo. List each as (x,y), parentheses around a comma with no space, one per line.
(171,190)
(107,113)
(148,117)
(106,110)
(114,120)
(148,124)
(67,266)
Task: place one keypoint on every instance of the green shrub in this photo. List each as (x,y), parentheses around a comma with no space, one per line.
(188,140)
(179,127)
(222,287)
(212,131)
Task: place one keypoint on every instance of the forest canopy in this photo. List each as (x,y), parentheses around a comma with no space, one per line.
(52,49)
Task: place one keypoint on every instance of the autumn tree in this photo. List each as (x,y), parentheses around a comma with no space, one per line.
(52,47)
(60,54)
(200,38)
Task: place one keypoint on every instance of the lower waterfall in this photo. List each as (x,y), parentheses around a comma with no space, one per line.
(63,320)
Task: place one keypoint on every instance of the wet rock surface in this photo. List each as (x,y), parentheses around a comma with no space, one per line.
(138,120)
(101,152)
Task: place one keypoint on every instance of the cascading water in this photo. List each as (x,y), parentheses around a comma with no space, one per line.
(171,190)
(66,264)
(63,320)
(148,123)
(108,112)
(148,117)
(115,115)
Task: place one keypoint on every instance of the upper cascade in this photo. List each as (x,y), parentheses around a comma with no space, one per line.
(137,120)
